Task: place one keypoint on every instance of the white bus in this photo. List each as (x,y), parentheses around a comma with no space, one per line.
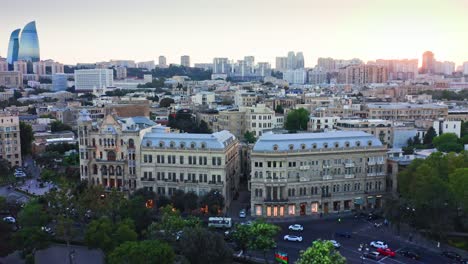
(220,222)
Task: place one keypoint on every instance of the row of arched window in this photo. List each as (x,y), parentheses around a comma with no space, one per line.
(172,144)
(325,145)
(108,170)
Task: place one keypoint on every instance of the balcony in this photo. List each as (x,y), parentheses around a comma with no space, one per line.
(304,167)
(327,177)
(326,195)
(349,165)
(146,179)
(326,166)
(273,180)
(349,176)
(281,200)
(215,182)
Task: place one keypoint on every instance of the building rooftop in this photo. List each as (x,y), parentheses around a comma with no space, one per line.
(403,105)
(162,139)
(315,141)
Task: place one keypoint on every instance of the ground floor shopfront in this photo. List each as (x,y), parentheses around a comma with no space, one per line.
(316,207)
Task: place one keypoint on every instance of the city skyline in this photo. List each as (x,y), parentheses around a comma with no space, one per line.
(71,32)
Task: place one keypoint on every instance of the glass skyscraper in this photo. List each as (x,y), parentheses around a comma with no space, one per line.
(29,44)
(13,47)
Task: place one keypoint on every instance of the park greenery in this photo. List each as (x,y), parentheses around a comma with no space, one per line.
(57,126)
(447,95)
(249,137)
(433,195)
(296,120)
(26,137)
(186,122)
(321,252)
(446,142)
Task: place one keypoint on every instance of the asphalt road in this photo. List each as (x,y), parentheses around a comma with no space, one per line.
(361,231)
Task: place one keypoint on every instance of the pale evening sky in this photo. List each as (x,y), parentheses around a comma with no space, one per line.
(99,30)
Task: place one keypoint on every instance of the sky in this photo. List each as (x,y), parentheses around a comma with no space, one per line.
(141,30)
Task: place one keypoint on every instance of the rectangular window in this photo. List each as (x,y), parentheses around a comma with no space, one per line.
(181,159)
(292,209)
(181,177)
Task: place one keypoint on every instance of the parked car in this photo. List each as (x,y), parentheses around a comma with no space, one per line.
(20,174)
(296,227)
(386,252)
(452,255)
(343,234)
(293,238)
(335,244)
(372,255)
(48,230)
(378,244)
(9,219)
(242,213)
(410,253)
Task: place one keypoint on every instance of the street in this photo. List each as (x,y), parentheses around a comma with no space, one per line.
(362,232)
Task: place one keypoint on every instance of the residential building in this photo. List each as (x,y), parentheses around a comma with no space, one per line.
(185,61)
(110,150)
(291,61)
(465,68)
(57,67)
(162,62)
(300,60)
(281,63)
(39,68)
(382,129)
(149,65)
(326,64)
(120,72)
(317,173)
(221,66)
(317,76)
(428,62)
(322,123)
(258,119)
(203,98)
(10,142)
(87,80)
(20,66)
(245,98)
(195,163)
(3,65)
(298,76)
(366,74)
(12,79)
(231,120)
(446,126)
(406,111)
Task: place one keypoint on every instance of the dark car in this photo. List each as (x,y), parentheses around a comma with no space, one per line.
(452,255)
(372,216)
(343,234)
(410,253)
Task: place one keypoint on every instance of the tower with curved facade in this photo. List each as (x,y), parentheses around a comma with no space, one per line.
(29,43)
(13,46)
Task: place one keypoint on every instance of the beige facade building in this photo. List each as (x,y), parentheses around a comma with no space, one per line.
(12,79)
(382,129)
(10,143)
(314,173)
(365,74)
(195,163)
(110,150)
(3,65)
(39,67)
(406,111)
(20,66)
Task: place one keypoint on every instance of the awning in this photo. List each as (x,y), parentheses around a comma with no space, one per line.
(371,199)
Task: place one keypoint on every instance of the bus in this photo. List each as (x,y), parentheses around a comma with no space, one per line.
(220,222)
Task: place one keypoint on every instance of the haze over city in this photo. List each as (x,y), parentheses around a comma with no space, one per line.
(89,31)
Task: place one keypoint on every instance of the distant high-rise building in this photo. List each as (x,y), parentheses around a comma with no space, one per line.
(87,80)
(20,66)
(300,60)
(123,63)
(428,62)
(399,69)
(162,63)
(59,82)
(39,68)
(291,63)
(13,47)
(3,65)
(11,79)
(317,76)
(465,68)
(149,65)
(29,44)
(263,69)
(298,76)
(365,74)
(57,68)
(444,67)
(281,63)
(121,72)
(326,64)
(185,61)
(250,61)
(221,66)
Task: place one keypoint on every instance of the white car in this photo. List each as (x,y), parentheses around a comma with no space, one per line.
(335,243)
(242,213)
(296,227)
(293,238)
(20,174)
(378,244)
(9,219)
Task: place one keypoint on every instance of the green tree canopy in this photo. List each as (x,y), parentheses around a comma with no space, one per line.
(263,236)
(200,246)
(447,142)
(321,252)
(214,200)
(57,126)
(166,102)
(26,137)
(249,137)
(429,136)
(297,120)
(148,251)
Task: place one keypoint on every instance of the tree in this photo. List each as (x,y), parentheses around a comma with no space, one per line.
(214,200)
(26,138)
(297,120)
(249,137)
(166,102)
(191,201)
(458,182)
(200,246)
(279,109)
(57,126)
(99,234)
(321,252)
(147,251)
(242,236)
(178,200)
(203,128)
(5,168)
(136,210)
(429,136)
(124,231)
(447,142)
(263,237)
(32,215)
